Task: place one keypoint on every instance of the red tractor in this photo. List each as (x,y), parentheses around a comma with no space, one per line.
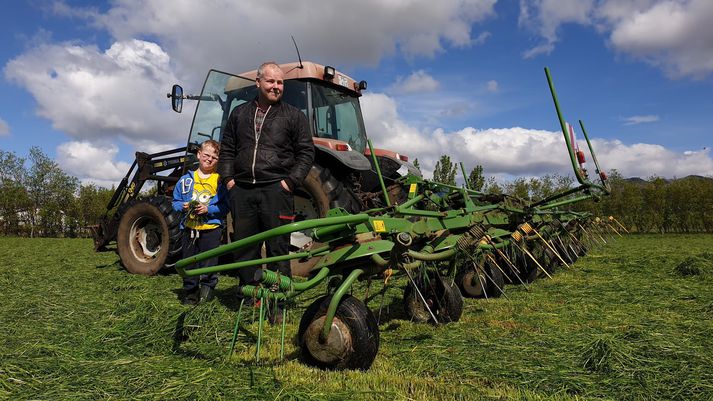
(145,228)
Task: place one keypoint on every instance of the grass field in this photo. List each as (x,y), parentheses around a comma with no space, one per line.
(631,321)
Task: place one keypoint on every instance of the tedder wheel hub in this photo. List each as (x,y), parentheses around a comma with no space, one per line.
(472,283)
(437,299)
(332,349)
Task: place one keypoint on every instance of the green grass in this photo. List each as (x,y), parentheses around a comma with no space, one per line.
(631,321)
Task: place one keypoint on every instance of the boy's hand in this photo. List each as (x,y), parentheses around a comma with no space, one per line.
(185,205)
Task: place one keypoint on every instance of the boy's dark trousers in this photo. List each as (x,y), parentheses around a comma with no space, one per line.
(194,244)
(257,208)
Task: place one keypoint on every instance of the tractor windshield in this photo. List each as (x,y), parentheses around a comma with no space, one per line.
(209,117)
(334,115)
(337,115)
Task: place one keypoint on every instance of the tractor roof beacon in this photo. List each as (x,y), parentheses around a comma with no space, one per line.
(145,229)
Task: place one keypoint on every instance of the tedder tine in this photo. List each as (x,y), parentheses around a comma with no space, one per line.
(612,218)
(614,229)
(418,291)
(526,252)
(488,240)
(551,248)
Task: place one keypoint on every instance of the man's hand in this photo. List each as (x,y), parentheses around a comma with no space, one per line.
(201,209)
(285,186)
(230,184)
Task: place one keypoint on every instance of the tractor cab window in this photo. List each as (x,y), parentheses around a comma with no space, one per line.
(337,115)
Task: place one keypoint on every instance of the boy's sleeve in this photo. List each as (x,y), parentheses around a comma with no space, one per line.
(178,197)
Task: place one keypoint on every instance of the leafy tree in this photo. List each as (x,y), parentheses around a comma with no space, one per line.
(445,171)
(90,203)
(51,192)
(492,187)
(476,180)
(519,187)
(14,201)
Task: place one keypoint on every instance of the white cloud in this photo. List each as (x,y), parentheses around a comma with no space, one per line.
(418,82)
(517,151)
(91,94)
(481,38)
(492,86)
(94,94)
(91,163)
(646,160)
(544,17)
(4,128)
(633,120)
(674,35)
(221,33)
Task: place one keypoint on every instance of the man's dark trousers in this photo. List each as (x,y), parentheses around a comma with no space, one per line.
(257,208)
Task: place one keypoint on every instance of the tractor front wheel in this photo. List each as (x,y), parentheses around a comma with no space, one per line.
(148,235)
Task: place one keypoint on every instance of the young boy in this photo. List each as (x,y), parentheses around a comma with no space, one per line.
(204,203)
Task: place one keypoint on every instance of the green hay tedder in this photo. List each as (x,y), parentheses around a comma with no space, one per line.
(446,241)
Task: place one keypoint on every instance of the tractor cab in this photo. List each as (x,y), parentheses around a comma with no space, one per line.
(328,98)
(331,105)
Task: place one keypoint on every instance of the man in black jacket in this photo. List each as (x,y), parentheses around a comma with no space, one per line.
(266,152)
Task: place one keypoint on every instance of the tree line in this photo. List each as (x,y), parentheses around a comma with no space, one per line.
(655,204)
(38,199)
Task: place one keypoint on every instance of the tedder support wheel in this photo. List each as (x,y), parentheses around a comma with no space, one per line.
(443,299)
(149,235)
(481,282)
(353,340)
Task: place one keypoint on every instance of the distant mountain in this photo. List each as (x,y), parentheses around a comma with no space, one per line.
(641,181)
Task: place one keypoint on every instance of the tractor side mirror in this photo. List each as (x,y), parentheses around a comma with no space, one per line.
(176,98)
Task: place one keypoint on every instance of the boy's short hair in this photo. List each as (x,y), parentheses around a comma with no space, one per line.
(210,143)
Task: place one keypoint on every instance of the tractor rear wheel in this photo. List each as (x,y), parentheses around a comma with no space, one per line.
(353,340)
(149,235)
(320,191)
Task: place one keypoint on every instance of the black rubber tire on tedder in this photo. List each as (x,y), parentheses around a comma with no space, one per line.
(149,236)
(474,282)
(353,340)
(441,296)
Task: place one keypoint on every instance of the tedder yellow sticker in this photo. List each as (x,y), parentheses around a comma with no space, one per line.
(412,189)
(379,226)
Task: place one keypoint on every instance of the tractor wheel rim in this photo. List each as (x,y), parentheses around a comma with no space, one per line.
(140,238)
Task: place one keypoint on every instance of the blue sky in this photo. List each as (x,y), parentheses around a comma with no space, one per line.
(86,80)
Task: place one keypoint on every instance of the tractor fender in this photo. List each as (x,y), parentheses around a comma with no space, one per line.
(349,158)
